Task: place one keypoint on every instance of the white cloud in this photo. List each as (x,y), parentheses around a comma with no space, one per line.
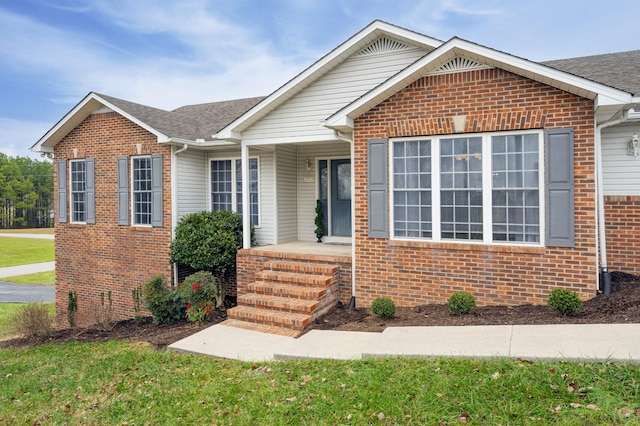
(17,136)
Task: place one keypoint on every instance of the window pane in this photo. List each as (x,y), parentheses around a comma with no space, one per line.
(78,191)
(142,191)
(516,196)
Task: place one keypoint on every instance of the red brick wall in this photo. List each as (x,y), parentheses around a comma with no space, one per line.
(623,239)
(103,257)
(413,273)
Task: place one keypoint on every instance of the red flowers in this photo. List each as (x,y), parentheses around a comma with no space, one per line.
(195,286)
(188,306)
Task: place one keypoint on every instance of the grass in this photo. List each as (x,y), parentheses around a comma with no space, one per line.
(7,310)
(22,251)
(45,278)
(48,231)
(126,383)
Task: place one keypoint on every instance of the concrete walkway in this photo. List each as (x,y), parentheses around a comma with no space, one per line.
(31,236)
(33,268)
(619,342)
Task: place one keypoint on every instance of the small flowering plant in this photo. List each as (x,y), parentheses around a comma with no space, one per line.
(202,293)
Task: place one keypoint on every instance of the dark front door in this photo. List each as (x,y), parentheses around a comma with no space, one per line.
(340,194)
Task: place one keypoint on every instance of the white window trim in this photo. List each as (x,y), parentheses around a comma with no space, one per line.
(486,191)
(133,198)
(71,203)
(331,238)
(234,203)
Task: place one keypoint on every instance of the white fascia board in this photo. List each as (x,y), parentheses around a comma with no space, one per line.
(228,134)
(354,44)
(82,110)
(458,47)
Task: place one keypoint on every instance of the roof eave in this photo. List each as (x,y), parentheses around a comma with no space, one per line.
(604,95)
(79,113)
(233,131)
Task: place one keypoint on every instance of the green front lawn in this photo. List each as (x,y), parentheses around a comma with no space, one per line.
(127,383)
(22,251)
(44,278)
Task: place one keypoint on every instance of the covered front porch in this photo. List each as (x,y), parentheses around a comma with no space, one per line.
(282,288)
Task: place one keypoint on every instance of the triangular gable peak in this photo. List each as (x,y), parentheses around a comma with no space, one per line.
(377,38)
(457,55)
(93,103)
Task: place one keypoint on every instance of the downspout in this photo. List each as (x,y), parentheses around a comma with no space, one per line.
(174,205)
(605,276)
(341,136)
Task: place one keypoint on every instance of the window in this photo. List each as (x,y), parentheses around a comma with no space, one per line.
(142,195)
(482,188)
(78,191)
(226,187)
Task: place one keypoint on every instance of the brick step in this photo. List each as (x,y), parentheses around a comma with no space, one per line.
(295,278)
(291,320)
(303,267)
(261,328)
(284,304)
(286,290)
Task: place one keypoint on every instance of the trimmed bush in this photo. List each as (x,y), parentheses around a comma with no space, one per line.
(208,241)
(202,293)
(461,302)
(383,307)
(165,305)
(33,320)
(565,302)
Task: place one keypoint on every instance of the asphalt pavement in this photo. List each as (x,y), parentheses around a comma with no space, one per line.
(26,293)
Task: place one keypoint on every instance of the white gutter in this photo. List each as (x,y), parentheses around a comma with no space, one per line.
(602,237)
(343,137)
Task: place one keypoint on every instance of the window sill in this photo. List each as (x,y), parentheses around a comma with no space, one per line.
(461,246)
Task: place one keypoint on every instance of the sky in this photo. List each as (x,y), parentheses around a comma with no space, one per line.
(171,53)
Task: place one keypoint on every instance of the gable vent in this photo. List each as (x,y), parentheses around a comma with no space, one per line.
(383,45)
(459,64)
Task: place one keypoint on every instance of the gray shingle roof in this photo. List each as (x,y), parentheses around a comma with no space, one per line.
(619,70)
(189,122)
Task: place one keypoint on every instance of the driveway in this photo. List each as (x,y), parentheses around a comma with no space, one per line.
(23,293)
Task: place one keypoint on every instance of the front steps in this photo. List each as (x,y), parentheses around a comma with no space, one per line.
(286,297)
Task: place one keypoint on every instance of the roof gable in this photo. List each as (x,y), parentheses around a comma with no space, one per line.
(458,54)
(377,37)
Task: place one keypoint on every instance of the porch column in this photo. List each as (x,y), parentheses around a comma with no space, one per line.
(246,217)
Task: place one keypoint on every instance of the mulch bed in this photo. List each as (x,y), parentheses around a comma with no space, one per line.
(623,306)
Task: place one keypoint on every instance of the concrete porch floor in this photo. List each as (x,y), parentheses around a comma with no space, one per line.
(307,247)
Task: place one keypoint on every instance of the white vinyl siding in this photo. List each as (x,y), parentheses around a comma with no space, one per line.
(621,172)
(286,160)
(308,191)
(301,116)
(191,182)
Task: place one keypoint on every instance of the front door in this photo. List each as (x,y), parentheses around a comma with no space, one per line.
(335,194)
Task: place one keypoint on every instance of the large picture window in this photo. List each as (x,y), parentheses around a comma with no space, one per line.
(483,188)
(78,191)
(226,187)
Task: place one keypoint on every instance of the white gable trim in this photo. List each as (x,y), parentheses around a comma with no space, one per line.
(352,46)
(603,95)
(79,113)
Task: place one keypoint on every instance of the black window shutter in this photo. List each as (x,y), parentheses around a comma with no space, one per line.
(90,190)
(123,190)
(156,190)
(62,190)
(378,188)
(560,210)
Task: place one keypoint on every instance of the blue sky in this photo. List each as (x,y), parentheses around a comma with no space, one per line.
(171,53)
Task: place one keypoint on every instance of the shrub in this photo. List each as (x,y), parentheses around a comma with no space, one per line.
(202,293)
(103,314)
(461,302)
(208,241)
(72,308)
(383,307)
(32,321)
(565,302)
(165,305)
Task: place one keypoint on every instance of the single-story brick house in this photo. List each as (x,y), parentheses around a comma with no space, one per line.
(441,166)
